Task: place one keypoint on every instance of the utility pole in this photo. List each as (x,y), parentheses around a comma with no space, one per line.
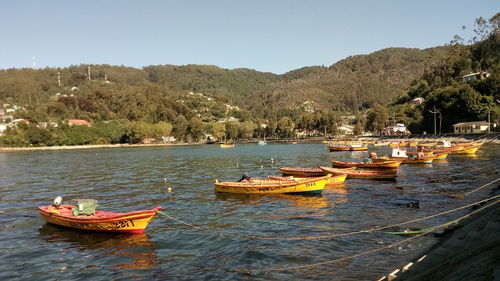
(88,72)
(489,121)
(440,121)
(435,111)
(59,79)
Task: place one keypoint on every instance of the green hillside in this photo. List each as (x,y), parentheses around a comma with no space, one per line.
(191,101)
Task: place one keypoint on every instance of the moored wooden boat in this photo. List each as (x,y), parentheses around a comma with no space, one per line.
(347,147)
(381,143)
(227,145)
(360,173)
(440,156)
(132,222)
(399,154)
(381,164)
(301,172)
(272,186)
(469,149)
(333,180)
(426,159)
(427,144)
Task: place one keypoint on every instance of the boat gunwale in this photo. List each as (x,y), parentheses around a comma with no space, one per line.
(93,220)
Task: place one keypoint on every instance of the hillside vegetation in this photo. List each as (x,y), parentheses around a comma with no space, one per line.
(191,101)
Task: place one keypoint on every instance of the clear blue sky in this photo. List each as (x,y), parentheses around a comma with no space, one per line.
(266,35)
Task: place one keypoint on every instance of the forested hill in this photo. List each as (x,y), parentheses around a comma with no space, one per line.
(349,85)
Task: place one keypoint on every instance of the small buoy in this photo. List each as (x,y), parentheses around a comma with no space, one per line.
(272,160)
(165,179)
(169,189)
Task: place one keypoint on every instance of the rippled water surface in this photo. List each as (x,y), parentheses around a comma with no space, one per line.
(129,179)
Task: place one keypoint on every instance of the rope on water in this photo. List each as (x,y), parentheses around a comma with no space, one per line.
(374,250)
(198,227)
(483,186)
(333,235)
(468,171)
(376,228)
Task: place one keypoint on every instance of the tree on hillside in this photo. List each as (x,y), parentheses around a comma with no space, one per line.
(377,118)
(218,130)
(180,127)
(196,129)
(285,128)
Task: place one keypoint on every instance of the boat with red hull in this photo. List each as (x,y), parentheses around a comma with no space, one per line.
(362,173)
(132,222)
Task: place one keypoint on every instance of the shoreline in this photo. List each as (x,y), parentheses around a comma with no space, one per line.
(482,138)
(89,146)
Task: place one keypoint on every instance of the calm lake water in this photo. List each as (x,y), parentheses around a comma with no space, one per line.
(129,179)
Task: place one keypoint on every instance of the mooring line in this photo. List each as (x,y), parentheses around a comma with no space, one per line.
(481,187)
(327,236)
(376,228)
(198,227)
(374,250)
(468,171)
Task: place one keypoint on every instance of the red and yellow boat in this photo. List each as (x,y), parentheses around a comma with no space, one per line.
(390,164)
(333,180)
(360,173)
(301,172)
(132,222)
(426,159)
(272,186)
(347,147)
(469,149)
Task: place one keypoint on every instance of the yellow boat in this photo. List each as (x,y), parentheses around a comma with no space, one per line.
(273,186)
(471,149)
(441,156)
(227,145)
(333,180)
(391,164)
(347,147)
(427,144)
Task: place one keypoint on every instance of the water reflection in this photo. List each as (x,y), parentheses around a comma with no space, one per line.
(308,201)
(136,247)
(335,188)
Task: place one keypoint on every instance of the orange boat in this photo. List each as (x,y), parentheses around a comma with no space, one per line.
(71,216)
(347,147)
(302,172)
(391,164)
(360,173)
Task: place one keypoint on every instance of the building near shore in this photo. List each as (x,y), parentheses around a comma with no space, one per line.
(398,130)
(346,129)
(475,127)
